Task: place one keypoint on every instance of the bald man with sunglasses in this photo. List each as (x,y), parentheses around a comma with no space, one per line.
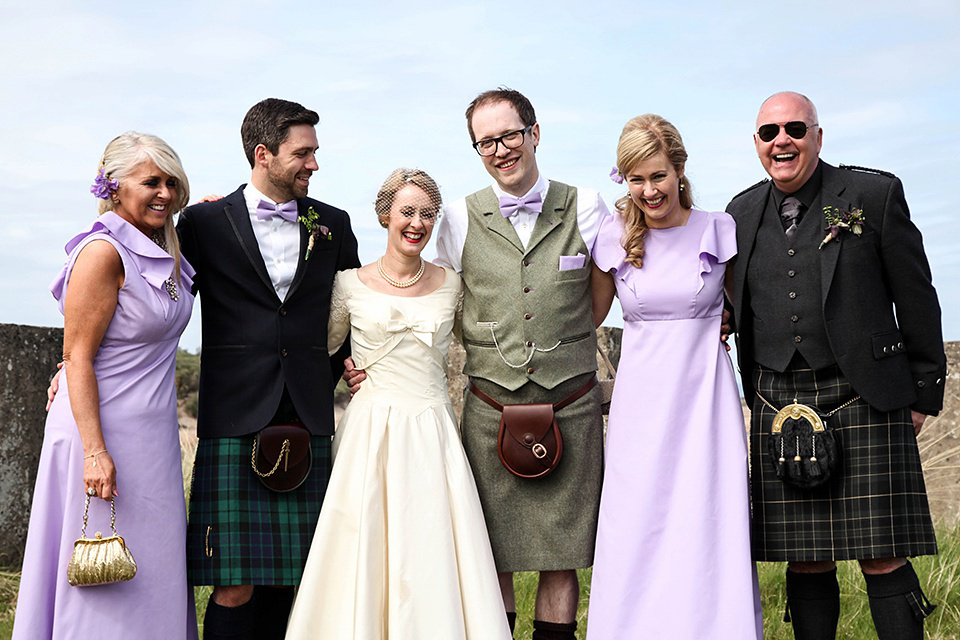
(836,311)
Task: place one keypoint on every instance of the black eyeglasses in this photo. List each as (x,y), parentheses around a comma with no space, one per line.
(512,140)
(795,129)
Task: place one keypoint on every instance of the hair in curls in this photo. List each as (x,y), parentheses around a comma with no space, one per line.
(519,101)
(397,180)
(644,137)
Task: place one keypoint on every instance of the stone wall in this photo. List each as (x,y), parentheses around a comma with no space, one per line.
(28,357)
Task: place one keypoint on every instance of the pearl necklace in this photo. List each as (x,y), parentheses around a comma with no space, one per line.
(396,283)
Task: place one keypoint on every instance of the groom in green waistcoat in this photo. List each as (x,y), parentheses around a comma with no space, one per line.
(522,246)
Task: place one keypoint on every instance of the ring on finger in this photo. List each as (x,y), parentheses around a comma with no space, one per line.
(91,491)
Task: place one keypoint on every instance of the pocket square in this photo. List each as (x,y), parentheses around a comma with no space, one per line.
(568,263)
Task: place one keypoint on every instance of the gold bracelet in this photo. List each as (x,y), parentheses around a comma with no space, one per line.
(94,456)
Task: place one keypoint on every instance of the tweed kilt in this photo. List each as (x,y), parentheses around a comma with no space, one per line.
(539,524)
(875,508)
(238,531)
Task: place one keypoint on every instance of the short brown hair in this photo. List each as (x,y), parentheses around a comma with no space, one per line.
(503,94)
(268,121)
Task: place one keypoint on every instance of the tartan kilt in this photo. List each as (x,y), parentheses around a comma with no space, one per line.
(877,505)
(241,533)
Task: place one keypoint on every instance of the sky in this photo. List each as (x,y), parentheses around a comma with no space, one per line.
(391,82)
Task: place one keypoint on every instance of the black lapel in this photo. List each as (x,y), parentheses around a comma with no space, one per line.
(748,223)
(830,196)
(302,206)
(235,209)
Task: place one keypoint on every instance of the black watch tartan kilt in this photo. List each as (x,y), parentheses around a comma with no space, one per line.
(877,505)
(241,533)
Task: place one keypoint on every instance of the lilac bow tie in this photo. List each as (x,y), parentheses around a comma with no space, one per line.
(510,205)
(286,210)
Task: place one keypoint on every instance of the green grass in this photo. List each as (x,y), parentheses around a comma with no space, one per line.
(939,575)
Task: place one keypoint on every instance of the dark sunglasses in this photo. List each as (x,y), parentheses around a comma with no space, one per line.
(795,129)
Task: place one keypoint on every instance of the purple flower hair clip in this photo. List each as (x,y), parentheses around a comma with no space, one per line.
(616,176)
(103,187)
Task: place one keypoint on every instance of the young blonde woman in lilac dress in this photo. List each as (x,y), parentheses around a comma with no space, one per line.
(673,542)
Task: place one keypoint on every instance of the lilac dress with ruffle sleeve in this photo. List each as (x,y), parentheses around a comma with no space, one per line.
(673,543)
(135,378)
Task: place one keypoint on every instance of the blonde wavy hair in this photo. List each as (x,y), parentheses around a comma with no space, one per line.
(644,137)
(130,149)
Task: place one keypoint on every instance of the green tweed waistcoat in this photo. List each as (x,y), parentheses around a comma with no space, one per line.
(518,302)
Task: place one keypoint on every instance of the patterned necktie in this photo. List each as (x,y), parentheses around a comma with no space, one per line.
(509,205)
(789,211)
(286,210)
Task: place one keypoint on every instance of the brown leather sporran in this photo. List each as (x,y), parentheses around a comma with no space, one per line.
(529,443)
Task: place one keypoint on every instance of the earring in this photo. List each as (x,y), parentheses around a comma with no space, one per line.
(681,184)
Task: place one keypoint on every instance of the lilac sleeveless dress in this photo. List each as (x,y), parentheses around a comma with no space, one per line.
(135,377)
(673,542)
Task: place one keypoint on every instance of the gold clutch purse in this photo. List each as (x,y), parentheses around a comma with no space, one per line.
(100,560)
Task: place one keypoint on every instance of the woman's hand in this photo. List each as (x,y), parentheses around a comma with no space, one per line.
(100,474)
(54,385)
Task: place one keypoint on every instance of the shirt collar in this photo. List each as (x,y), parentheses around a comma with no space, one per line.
(805,194)
(541,186)
(252,197)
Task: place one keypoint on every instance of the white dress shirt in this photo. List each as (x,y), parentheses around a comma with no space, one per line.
(452,230)
(278,239)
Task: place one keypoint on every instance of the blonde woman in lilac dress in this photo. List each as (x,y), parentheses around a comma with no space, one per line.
(111,432)
(673,542)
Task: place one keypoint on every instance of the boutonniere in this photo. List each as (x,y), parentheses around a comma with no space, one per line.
(836,219)
(312,222)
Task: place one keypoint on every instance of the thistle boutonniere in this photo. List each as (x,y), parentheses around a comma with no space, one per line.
(312,222)
(851,220)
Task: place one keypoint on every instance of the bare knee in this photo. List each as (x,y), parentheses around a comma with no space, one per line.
(232,596)
(812,567)
(881,566)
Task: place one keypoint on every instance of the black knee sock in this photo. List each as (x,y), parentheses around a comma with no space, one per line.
(813,602)
(554,630)
(512,620)
(228,623)
(271,606)
(897,604)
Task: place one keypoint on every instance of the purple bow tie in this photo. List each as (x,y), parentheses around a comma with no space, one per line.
(286,210)
(510,205)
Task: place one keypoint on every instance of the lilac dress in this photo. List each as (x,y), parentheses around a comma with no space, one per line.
(673,542)
(135,378)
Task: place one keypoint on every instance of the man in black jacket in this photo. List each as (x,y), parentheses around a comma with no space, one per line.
(836,310)
(265,257)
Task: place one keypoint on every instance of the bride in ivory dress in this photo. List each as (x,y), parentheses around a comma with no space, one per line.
(401,548)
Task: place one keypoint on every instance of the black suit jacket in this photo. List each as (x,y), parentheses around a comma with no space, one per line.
(254,344)
(879,306)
